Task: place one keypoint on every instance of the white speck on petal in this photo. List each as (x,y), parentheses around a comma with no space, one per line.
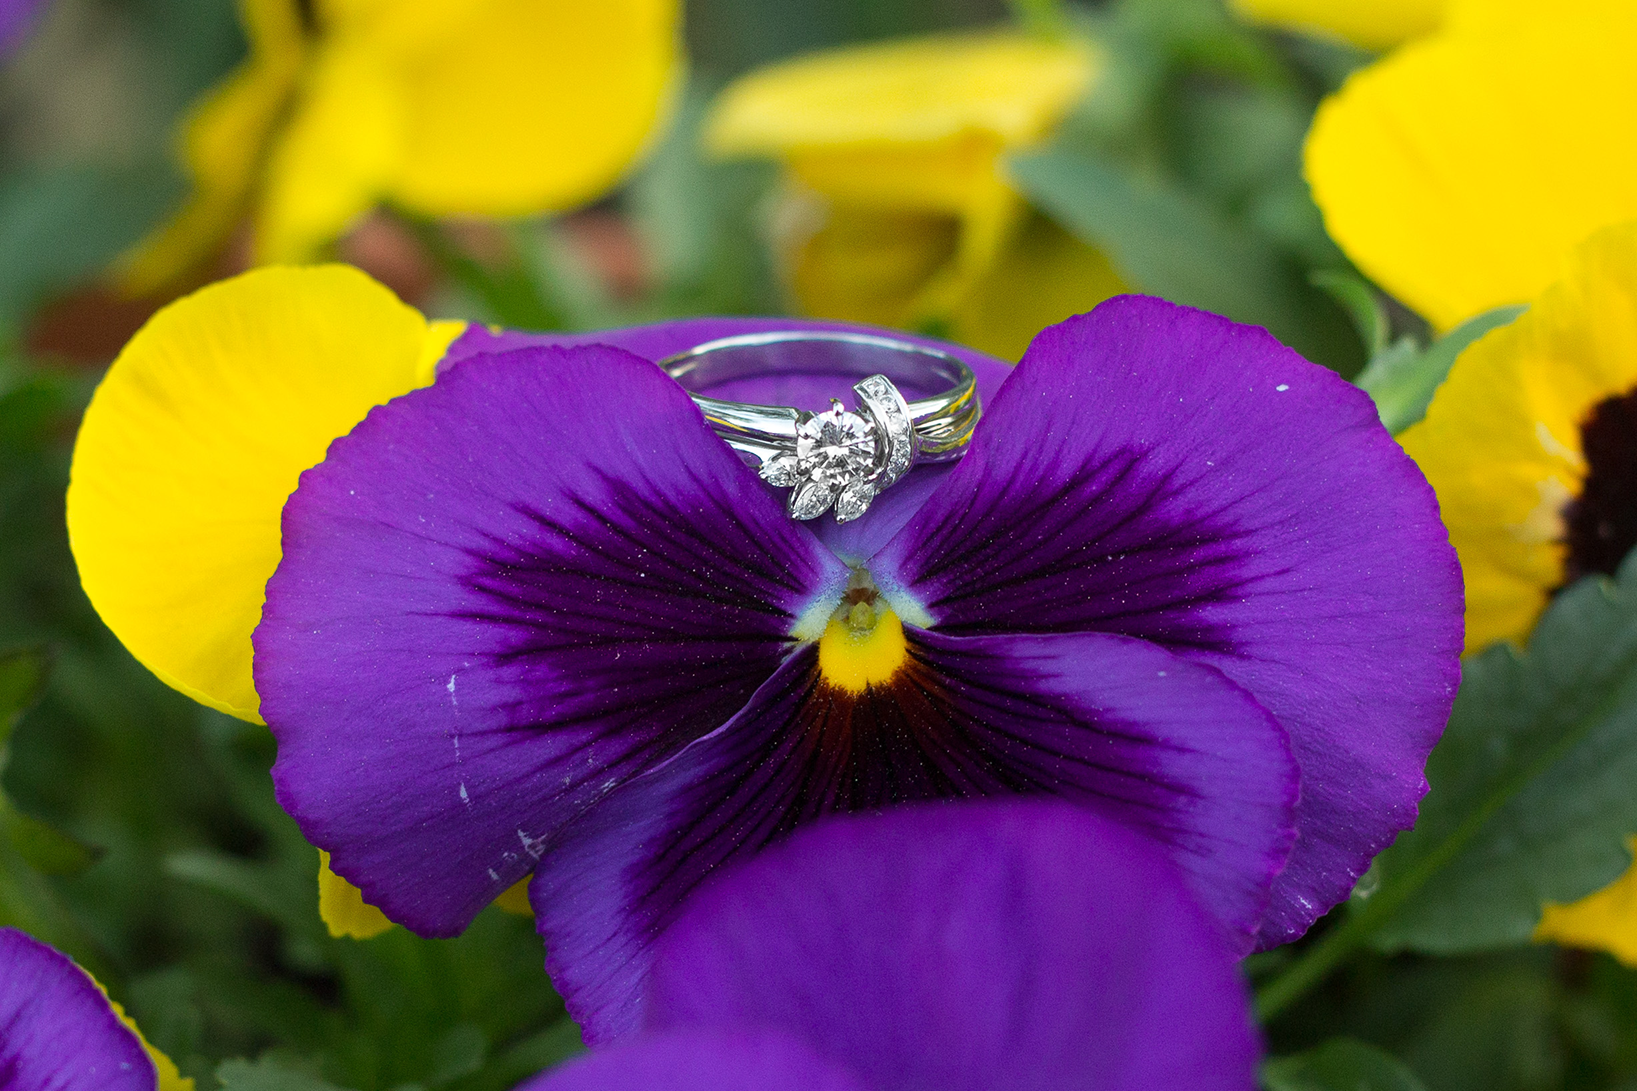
(534,846)
(495,875)
(464,798)
(1282,387)
(453,702)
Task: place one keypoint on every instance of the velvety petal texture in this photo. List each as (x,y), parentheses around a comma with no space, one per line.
(944,948)
(1117,725)
(743,1060)
(197,435)
(1459,172)
(57,1029)
(501,597)
(1164,474)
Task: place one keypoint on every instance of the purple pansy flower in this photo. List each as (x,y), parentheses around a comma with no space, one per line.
(16,18)
(539,617)
(1030,946)
(57,1030)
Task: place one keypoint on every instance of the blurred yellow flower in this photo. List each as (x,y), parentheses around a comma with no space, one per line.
(1459,172)
(1381,24)
(443,107)
(1375,25)
(897,209)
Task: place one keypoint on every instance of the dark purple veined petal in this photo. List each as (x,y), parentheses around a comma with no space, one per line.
(1162,473)
(57,1030)
(501,596)
(1026,946)
(1117,725)
(854,541)
(740,1060)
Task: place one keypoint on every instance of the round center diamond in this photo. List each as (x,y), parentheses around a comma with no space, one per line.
(835,447)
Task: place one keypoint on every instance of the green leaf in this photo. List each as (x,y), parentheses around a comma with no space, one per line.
(22,679)
(1531,798)
(260,887)
(1361,303)
(1165,241)
(269,1074)
(1341,1064)
(43,847)
(460,1051)
(1403,378)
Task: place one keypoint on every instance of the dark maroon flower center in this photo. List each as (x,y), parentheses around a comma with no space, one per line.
(1601,523)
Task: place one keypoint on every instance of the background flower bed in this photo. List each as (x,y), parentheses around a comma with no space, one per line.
(186,889)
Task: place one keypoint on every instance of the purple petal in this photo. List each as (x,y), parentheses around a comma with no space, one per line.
(1118,725)
(501,596)
(16,18)
(1030,946)
(1162,473)
(732,1060)
(855,541)
(57,1031)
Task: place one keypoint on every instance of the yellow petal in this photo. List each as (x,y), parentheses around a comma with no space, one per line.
(1501,441)
(196,437)
(1043,277)
(224,143)
(1605,920)
(335,157)
(869,265)
(529,106)
(923,91)
(1460,171)
(1484,16)
(342,906)
(1376,24)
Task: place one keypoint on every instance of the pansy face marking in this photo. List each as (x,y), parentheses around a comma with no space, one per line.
(835,458)
(1179,574)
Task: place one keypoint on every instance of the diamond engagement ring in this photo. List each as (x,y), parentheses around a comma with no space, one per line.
(835,457)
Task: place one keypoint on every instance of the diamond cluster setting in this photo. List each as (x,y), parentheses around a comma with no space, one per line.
(843,460)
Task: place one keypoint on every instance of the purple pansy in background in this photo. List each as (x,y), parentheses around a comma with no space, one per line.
(57,1030)
(1030,946)
(16,19)
(538,617)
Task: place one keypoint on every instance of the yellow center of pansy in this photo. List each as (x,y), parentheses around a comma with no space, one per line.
(863,645)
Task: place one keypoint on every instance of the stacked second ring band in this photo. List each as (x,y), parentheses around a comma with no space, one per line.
(832,457)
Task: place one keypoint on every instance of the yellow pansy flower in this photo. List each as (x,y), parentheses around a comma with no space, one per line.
(897,208)
(1530,442)
(1531,445)
(442,107)
(1368,25)
(1381,24)
(190,447)
(1459,172)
